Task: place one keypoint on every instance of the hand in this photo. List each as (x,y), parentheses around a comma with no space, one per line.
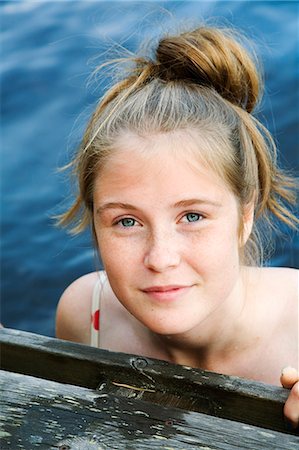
(290,380)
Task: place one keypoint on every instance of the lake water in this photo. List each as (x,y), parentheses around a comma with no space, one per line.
(48,52)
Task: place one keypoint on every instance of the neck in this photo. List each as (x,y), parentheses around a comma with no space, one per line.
(219,337)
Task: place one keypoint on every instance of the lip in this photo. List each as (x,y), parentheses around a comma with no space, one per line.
(166,293)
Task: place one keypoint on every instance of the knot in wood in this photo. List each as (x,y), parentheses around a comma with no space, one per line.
(139,363)
(169,422)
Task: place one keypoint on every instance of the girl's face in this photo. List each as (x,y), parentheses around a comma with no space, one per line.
(167,232)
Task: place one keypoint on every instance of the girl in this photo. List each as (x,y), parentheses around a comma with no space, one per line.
(175,177)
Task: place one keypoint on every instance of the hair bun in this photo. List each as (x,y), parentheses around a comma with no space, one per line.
(213,58)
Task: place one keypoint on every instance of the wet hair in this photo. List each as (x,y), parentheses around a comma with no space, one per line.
(206,81)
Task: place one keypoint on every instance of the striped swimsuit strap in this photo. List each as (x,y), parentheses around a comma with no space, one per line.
(95,309)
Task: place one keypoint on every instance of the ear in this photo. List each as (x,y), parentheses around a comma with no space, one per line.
(247,222)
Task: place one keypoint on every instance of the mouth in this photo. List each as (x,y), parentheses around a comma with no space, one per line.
(166,293)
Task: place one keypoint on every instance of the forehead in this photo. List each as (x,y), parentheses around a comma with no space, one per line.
(158,163)
(180,142)
(198,148)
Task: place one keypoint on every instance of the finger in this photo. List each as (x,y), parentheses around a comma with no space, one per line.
(289,376)
(291,407)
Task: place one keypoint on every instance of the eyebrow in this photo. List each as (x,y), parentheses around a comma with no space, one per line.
(115,205)
(180,204)
(196,201)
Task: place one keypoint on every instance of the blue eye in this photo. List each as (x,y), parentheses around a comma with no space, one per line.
(127,222)
(193,217)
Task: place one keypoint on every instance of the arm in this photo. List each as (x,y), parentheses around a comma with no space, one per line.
(73,316)
(290,380)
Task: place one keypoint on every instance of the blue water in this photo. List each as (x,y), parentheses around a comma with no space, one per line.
(48,51)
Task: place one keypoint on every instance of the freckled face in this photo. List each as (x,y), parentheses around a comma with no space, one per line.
(167,233)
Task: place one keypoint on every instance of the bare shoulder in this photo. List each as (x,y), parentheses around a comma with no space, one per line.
(282,278)
(279,287)
(275,289)
(74,309)
(275,305)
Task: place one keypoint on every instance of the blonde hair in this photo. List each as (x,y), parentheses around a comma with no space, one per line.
(203,80)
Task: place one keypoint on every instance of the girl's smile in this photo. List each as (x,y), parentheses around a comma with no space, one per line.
(168,293)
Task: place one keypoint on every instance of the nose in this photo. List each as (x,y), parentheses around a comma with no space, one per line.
(162,252)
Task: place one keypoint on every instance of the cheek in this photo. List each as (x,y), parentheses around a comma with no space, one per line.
(111,255)
(117,254)
(115,263)
(218,242)
(218,265)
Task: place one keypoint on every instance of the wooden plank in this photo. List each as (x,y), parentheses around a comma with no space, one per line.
(47,415)
(152,380)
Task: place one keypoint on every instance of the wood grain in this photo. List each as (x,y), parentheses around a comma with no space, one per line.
(43,414)
(151,380)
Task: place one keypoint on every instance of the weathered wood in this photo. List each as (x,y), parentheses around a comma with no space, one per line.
(152,380)
(47,415)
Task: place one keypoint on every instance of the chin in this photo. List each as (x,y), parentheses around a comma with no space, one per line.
(167,329)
